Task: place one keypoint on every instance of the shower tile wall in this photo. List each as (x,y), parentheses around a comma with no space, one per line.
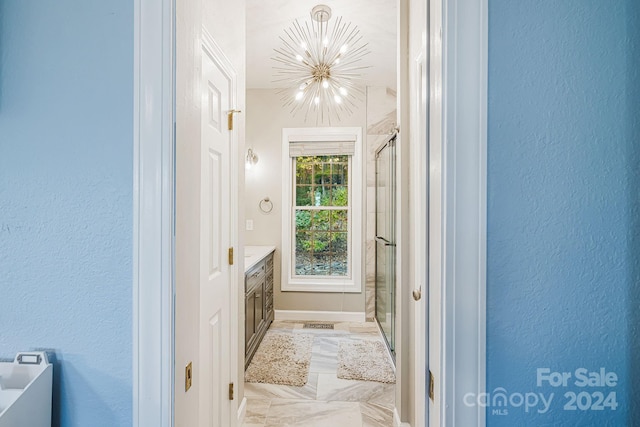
(381,119)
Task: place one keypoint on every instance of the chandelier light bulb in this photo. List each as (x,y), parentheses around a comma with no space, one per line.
(319,66)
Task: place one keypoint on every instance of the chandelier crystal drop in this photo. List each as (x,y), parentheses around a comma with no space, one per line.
(320,65)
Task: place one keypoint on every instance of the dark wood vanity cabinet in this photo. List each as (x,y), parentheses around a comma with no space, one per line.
(258,304)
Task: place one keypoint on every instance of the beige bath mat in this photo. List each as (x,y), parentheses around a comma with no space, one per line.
(365,360)
(281,358)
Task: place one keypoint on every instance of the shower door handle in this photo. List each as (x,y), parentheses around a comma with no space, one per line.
(385,241)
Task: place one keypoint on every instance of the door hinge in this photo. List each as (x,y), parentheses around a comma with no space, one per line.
(431,386)
(230,391)
(231,256)
(188,376)
(230,118)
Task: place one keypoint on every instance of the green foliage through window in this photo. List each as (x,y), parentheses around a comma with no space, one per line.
(321,216)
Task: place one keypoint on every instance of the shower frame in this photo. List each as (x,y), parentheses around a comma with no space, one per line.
(385,240)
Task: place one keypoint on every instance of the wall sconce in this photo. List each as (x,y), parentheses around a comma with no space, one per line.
(251,159)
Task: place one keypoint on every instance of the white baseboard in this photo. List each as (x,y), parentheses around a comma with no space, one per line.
(242,411)
(396,419)
(323,316)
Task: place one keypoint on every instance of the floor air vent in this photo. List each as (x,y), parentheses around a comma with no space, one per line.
(318,326)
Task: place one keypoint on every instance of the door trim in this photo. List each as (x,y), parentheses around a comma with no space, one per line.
(420,193)
(153,213)
(465,51)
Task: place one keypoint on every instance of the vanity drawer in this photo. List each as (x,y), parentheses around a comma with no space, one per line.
(254,276)
(269,263)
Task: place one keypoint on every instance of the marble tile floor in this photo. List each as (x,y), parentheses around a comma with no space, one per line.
(326,400)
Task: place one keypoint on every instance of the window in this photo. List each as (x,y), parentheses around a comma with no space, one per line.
(322,227)
(321,234)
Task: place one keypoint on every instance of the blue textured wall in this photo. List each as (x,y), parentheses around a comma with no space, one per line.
(66,108)
(633,149)
(563,188)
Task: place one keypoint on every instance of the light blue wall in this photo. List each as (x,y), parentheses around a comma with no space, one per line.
(633,142)
(563,203)
(66,108)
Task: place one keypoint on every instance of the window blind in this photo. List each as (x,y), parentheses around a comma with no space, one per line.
(337,145)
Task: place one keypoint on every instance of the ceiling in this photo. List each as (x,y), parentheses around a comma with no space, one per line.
(267,20)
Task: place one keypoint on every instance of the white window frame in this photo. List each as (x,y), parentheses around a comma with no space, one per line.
(353,282)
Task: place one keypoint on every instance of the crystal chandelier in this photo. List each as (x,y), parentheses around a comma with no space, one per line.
(320,64)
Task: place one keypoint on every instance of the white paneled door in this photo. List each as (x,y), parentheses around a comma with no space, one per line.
(215,240)
(206,206)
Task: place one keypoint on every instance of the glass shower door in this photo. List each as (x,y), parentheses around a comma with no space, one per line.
(385,240)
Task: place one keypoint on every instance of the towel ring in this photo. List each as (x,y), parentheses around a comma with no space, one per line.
(265,205)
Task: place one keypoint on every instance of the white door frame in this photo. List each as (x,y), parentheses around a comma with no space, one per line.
(153,199)
(464,121)
(420,193)
(464,57)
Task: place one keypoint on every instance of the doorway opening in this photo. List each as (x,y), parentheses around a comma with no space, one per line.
(152,356)
(308,188)
(156,369)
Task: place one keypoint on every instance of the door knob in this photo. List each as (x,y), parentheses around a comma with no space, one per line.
(417,294)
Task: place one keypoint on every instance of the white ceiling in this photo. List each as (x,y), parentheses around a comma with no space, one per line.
(267,20)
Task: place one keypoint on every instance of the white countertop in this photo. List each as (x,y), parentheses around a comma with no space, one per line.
(253,255)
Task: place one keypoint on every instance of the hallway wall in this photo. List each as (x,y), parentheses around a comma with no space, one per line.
(563,255)
(66,108)
(265,119)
